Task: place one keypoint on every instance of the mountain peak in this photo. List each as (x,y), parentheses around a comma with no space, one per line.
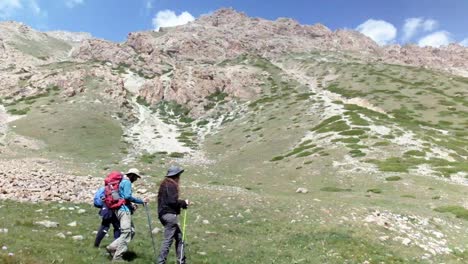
(228,12)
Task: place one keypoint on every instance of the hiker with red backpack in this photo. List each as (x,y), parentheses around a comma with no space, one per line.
(108,217)
(118,196)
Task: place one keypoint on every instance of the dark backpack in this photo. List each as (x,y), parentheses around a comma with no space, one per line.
(112,198)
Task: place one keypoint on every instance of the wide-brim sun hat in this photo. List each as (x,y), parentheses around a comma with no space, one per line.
(134,171)
(173,171)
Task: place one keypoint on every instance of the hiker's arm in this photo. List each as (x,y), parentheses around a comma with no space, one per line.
(127,193)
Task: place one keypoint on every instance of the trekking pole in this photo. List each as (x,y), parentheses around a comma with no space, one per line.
(183,236)
(151,232)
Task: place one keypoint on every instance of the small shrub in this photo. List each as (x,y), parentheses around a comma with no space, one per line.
(381,143)
(202,122)
(217,96)
(351,140)
(437,197)
(393,178)
(353,132)
(334,189)
(147,158)
(397,164)
(186,119)
(305,142)
(415,153)
(326,122)
(374,190)
(355,153)
(334,127)
(304,154)
(304,96)
(408,196)
(356,146)
(299,149)
(19,112)
(142,101)
(176,155)
(209,106)
(277,158)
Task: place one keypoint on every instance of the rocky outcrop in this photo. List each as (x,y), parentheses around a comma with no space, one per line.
(101,50)
(193,84)
(141,42)
(448,58)
(36,180)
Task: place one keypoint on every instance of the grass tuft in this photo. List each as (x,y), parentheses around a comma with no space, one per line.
(458,211)
(393,178)
(334,189)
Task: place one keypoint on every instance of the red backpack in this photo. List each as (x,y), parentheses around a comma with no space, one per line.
(112,198)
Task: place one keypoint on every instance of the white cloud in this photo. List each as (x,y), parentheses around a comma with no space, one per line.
(168,18)
(73,3)
(410,27)
(430,24)
(8,7)
(380,31)
(414,25)
(464,42)
(436,39)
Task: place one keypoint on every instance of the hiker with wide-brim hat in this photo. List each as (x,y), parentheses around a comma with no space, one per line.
(124,214)
(169,207)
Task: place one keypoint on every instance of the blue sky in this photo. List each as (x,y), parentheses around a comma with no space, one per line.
(424,22)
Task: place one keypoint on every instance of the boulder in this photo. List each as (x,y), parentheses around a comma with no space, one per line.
(48,224)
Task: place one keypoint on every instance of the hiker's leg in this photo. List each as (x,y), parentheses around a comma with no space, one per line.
(170,224)
(105,224)
(114,244)
(116,224)
(178,245)
(121,244)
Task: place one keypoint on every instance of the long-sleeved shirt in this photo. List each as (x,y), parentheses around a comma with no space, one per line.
(168,199)
(125,192)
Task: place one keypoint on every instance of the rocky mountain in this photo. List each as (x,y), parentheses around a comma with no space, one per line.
(339,149)
(69,36)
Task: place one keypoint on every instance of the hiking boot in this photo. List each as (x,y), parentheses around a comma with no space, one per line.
(111,251)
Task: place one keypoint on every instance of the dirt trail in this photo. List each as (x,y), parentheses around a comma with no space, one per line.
(150,134)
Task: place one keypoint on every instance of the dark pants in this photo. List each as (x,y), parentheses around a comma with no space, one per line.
(108,218)
(171,232)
